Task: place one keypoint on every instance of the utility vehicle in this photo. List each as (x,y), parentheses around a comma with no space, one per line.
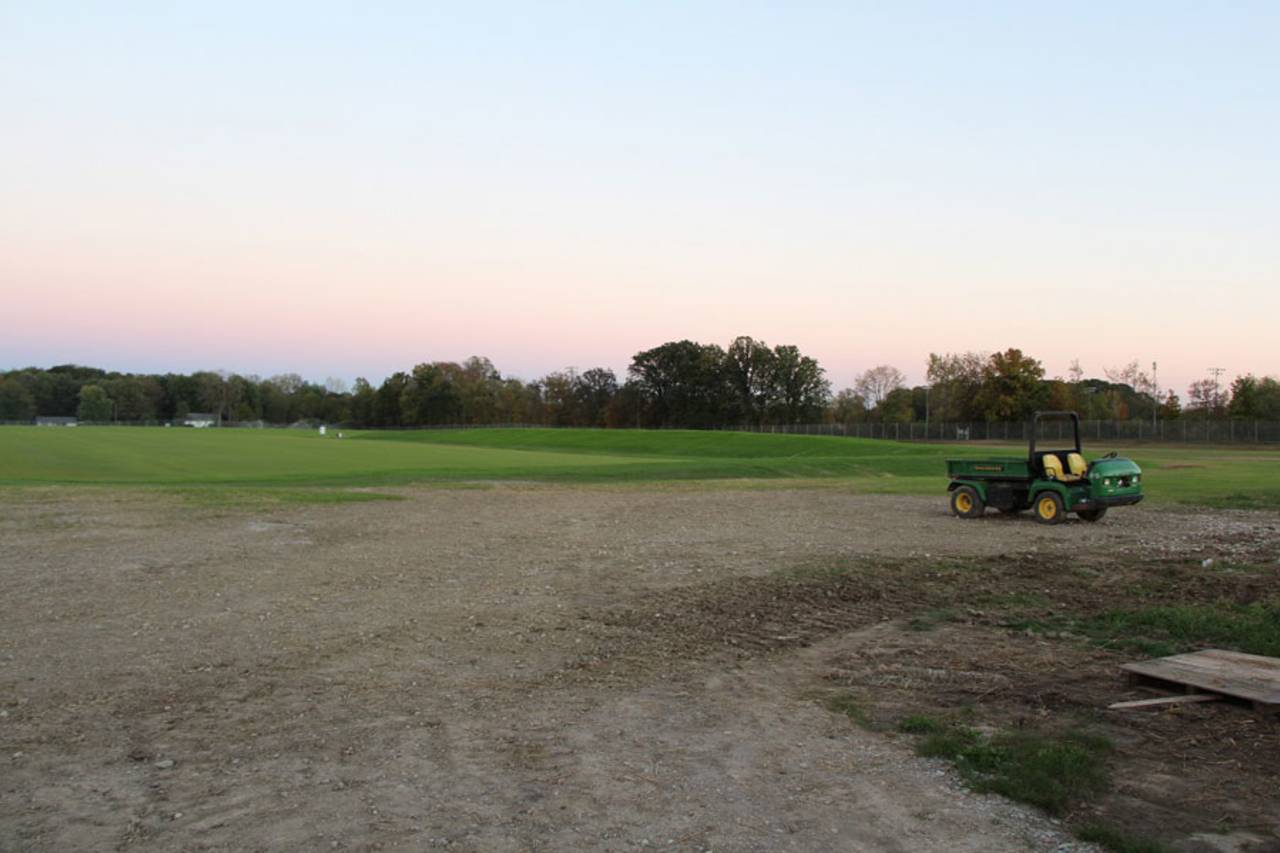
(1051,483)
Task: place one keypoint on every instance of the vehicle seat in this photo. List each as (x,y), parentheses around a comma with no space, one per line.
(1052,467)
(1076,465)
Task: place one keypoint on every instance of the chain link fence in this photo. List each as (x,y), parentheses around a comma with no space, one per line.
(1188,430)
(1176,431)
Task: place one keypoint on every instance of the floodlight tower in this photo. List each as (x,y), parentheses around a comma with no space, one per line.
(1155,396)
(1216,371)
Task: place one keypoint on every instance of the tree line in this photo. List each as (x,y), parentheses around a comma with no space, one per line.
(679,384)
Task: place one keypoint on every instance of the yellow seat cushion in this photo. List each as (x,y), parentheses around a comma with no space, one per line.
(1052,466)
(1076,465)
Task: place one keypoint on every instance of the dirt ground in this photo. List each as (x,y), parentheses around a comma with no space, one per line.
(575,668)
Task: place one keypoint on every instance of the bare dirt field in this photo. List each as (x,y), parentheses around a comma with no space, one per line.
(575,668)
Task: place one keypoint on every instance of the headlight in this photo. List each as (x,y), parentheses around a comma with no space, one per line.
(1137,478)
(1107,481)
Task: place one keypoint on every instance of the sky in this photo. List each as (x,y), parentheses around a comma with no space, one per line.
(349,189)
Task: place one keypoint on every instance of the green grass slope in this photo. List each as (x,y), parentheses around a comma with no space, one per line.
(284,458)
(158,456)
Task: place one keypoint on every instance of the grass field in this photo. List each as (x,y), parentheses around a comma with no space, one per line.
(31,456)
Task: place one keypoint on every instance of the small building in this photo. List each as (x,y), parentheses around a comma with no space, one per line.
(200,419)
(56,421)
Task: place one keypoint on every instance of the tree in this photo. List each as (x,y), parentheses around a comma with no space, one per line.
(1142,389)
(477,383)
(592,392)
(801,390)
(848,407)
(1012,387)
(288,383)
(16,402)
(1202,398)
(430,397)
(559,404)
(876,384)
(386,405)
(95,405)
(131,399)
(1255,398)
(955,379)
(683,384)
(896,407)
(750,368)
(362,402)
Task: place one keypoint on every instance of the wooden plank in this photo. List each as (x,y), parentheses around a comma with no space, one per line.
(1182,699)
(1252,677)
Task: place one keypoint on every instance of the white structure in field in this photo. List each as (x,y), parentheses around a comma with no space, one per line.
(200,419)
(322,429)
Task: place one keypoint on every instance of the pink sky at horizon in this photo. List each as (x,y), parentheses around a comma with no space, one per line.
(330,192)
(322,321)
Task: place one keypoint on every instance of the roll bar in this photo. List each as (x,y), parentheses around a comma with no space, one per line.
(1035,421)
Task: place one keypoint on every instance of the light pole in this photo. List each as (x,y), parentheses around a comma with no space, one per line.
(1155,398)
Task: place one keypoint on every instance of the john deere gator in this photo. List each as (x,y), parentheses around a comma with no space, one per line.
(1049,482)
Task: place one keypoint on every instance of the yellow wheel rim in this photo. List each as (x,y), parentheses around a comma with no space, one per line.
(964,503)
(1047,508)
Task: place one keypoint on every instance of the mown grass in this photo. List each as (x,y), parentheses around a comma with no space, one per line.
(1051,770)
(1170,629)
(290,458)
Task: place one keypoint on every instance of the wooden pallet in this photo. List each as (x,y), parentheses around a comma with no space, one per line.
(1252,678)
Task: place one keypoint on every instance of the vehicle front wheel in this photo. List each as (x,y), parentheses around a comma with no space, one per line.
(966,502)
(1049,508)
(1093,514)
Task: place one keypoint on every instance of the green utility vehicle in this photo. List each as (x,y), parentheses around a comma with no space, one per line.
(1049,482)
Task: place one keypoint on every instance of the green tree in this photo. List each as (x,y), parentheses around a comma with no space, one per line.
(1255,398)
(801,389)
(558,401)
(751,372)
(386,405)
(954,380)
(16,402)
(1012,387)
(896,407)
(683,384)
(95,405)
(593,390)
(430,397)
(848,407)
(362,402)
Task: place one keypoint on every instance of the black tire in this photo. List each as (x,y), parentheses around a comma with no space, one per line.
(1048,508)
(966,502)
(1093,514)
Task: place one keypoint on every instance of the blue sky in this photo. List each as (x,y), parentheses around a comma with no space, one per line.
(348,189)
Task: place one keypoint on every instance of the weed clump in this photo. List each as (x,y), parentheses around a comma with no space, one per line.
(1116,840)
(1049,770)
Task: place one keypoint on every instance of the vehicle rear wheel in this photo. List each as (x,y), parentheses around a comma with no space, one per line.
(1093,514)
(1049,508)
(966,502)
